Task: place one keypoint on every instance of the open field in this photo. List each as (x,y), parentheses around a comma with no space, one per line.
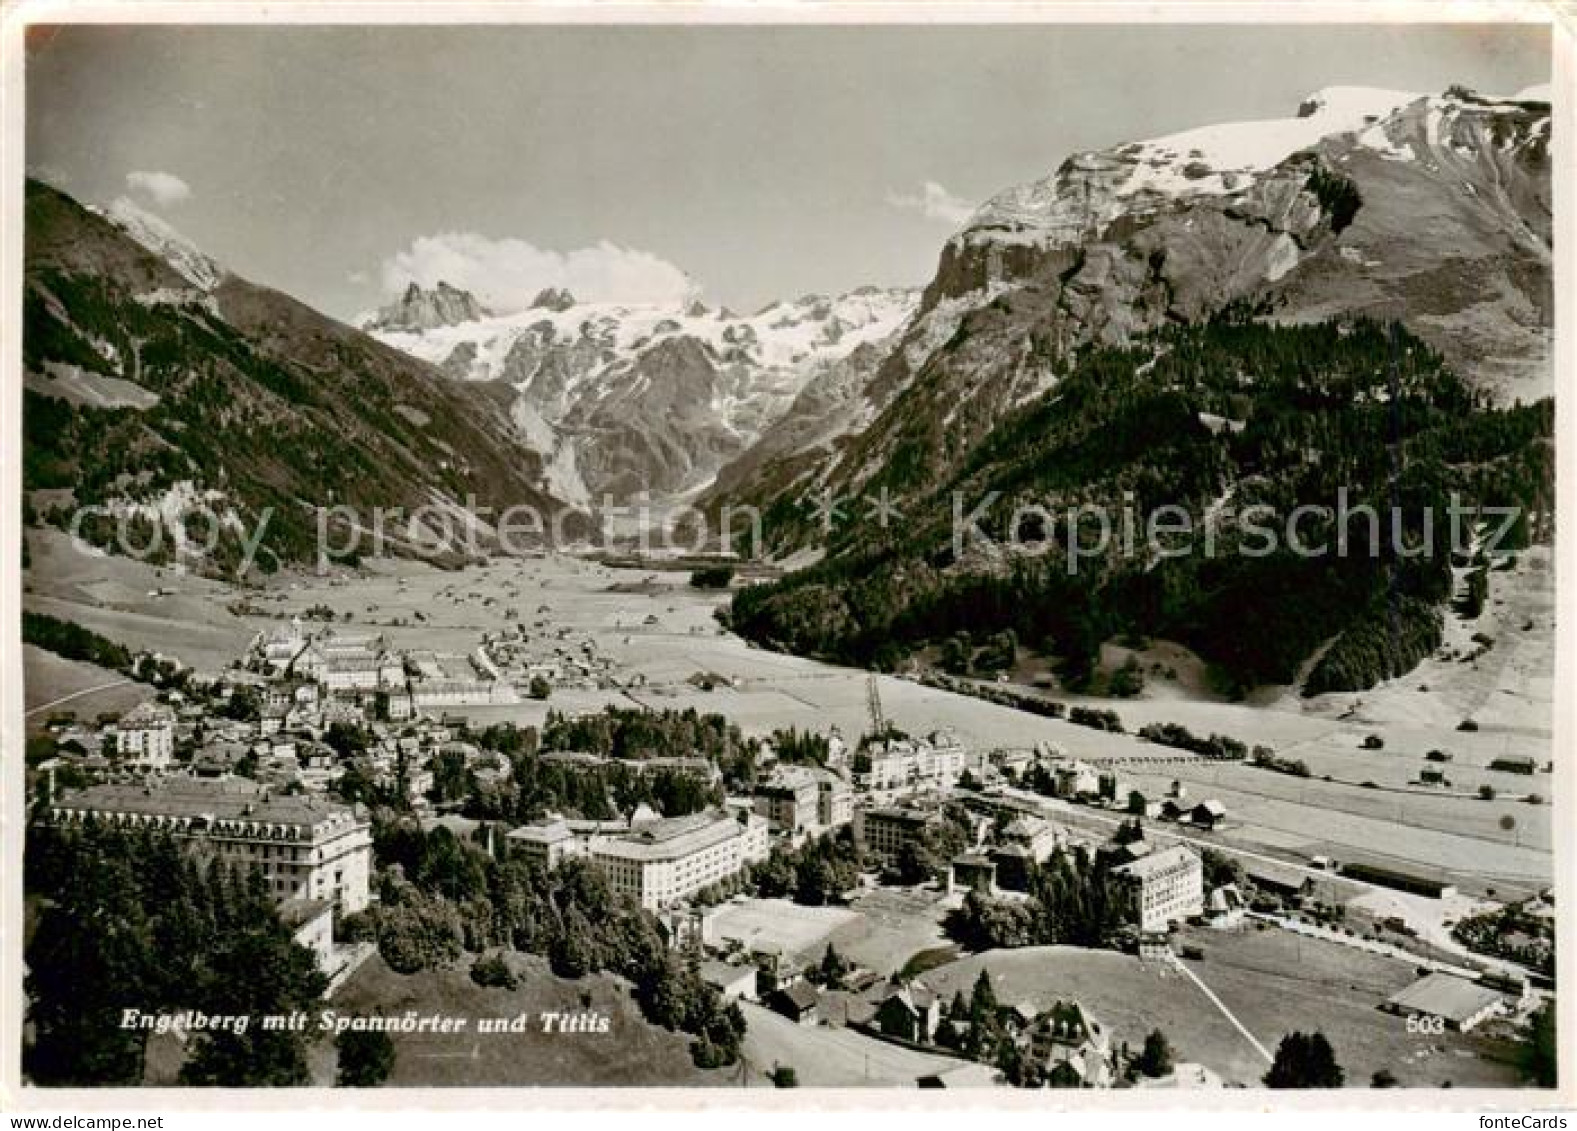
(54,682)
(1272,981)
(825,1057)
(780,926)
(611,609)
(1128,997)
(1275,981)
(880,930)
(633,1053)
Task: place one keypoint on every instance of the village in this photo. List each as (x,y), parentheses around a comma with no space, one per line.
(933,851)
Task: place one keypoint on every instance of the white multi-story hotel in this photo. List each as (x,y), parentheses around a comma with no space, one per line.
(1166,886)
(306,847)
(937,762)
(805,797)
(661,862)
(882,833)
(145,736)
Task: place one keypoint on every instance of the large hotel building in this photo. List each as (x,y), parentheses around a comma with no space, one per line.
(658,862)
(1166,886)
(662,862)
(306,847)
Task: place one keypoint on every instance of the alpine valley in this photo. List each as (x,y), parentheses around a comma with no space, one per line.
(1122,659)
(1246,313)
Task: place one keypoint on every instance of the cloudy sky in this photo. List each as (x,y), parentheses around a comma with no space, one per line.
(742,164)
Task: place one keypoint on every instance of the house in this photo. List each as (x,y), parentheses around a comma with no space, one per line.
(1208,814)
(972,871)
(1037,834)
(546,842)
(1225,908)
(219,759)
(1073,778)
(798,1002)
(278,648)
(659,861)
(1115,788)
(787,800)
(733,982)
(272,720)
(311,923)
(1018,1019)
(908,763)
(1012,863)
(909,1011)
(1133,850)
(285,694)
(1070,1047)
(1459,1003)
(1283,881)
(302,846)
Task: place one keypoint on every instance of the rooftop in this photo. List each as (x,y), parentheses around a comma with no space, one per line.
(1160,861)
(715,972)
(150,712)
(542,832)
(218,799)
(671,838)
(891,814)
(299,910)
(1446,995)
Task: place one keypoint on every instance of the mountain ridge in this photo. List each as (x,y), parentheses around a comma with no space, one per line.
(1429,209)
(625,400)
(146,394)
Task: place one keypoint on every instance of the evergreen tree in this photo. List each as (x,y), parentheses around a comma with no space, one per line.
(1304,1061)
(1155,1060)
(365,1059)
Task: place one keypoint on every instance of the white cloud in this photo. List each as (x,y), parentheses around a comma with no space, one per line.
(934,203)
(163,189)
(507,274)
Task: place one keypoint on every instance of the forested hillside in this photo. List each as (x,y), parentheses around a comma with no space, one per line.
(1216,418)
(150,395)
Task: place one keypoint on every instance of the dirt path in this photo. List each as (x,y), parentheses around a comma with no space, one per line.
(1225,1012)
(76,695)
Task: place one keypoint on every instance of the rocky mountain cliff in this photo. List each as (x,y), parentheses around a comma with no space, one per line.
(156,380)
(417,309)
(1431,210)
(622,400)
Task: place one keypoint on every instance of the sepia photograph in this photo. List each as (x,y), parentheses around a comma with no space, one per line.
(850,551)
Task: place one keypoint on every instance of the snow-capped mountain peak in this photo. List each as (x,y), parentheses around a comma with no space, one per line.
(621,398)
(1091,189)
(553,298)
(421,309)
(161,238)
